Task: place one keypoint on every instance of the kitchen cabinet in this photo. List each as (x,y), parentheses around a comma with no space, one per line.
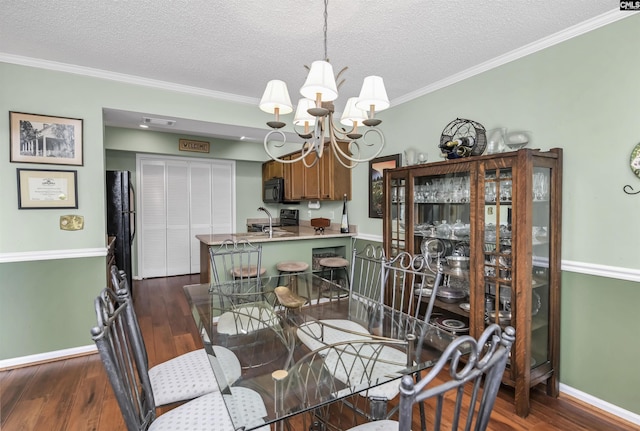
(492,225)
(326,180)
(272,169)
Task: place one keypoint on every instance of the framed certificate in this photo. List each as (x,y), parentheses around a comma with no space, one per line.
(45,189)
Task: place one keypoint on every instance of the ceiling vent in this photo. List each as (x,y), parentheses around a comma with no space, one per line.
(158,121)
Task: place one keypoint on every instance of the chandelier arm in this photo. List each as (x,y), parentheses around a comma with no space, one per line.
(356,160)
(304,153)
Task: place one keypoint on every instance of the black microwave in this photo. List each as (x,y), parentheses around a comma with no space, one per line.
(273,191)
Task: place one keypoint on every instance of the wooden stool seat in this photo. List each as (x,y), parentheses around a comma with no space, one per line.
(334,262)
(247,271)
(292,266)
(290,269)
(288,299)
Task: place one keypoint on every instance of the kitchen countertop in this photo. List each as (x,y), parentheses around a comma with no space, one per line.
(285,233)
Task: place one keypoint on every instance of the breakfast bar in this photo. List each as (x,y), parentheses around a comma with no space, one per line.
(299,243)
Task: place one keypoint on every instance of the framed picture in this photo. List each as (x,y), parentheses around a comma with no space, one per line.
(376,169)
(40,189)
(43,139)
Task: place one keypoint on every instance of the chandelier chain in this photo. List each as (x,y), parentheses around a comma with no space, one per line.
(324,29)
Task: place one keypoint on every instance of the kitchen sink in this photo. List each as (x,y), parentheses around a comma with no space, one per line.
(276,234)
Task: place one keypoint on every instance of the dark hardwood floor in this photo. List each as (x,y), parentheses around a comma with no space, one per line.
(74,394)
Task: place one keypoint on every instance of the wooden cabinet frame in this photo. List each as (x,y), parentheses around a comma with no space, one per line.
(400,219)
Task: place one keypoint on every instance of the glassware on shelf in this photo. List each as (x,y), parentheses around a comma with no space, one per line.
(460,230)
(505,190)
(540,187)
(518,139)
(496,142)
(443,230)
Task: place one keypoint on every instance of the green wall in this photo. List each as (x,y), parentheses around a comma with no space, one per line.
(582,95)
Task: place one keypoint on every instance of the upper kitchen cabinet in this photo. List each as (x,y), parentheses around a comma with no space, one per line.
(272,169)
(492,225)
(326,180)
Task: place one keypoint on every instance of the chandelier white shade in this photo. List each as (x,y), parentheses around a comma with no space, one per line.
(302,115)
(320,82)
(314,114)
(373,95)
(352,114)
(276,97)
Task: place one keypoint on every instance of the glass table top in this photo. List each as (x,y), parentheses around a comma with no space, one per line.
(337,344)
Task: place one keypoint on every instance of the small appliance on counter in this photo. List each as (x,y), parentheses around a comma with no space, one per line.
(287,218)
(319,224)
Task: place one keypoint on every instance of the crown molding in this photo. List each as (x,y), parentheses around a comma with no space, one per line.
(121,77)
(546,42)
(577,30)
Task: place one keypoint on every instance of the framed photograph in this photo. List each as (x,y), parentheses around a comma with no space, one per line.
(376,169)
(44,139)
(46,189)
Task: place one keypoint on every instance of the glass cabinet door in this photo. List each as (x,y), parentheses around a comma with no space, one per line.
(540,294)
(498,292)
(442,229)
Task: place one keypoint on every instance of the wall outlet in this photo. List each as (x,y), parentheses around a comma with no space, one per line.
(309,213)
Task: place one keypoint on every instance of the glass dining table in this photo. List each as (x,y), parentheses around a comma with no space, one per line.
(304,342)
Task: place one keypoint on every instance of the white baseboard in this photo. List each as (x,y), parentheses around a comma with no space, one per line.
(601,404)
(56,355)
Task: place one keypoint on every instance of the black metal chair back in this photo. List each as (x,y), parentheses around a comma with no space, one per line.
(474,365)
(121,350)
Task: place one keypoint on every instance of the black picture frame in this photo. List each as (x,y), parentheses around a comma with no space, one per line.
(377,167)
(45,139)
(47,189)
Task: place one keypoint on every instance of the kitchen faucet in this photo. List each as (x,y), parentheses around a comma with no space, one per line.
(269,229)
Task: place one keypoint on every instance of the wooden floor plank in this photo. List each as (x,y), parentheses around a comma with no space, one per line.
(12,386)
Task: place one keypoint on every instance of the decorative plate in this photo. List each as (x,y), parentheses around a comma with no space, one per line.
(634,160)
(452,325)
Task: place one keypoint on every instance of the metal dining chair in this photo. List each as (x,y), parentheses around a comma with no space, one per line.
(238,261)
(476,365)
(340,371)
(184,377)
(122,352)
(410,286)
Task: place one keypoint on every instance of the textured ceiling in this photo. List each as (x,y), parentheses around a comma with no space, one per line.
(234,47)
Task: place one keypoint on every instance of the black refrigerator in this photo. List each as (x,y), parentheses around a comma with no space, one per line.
(121,218)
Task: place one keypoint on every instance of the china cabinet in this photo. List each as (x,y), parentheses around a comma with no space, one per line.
(492,225)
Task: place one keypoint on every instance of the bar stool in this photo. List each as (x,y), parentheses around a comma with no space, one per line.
(333,265)
(291,269)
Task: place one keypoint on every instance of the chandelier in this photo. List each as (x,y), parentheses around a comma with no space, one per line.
(313,119)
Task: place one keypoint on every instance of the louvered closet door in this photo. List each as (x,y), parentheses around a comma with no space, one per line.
(200,205)
(152,223)
(179,199)
(223,196)
(178,224)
